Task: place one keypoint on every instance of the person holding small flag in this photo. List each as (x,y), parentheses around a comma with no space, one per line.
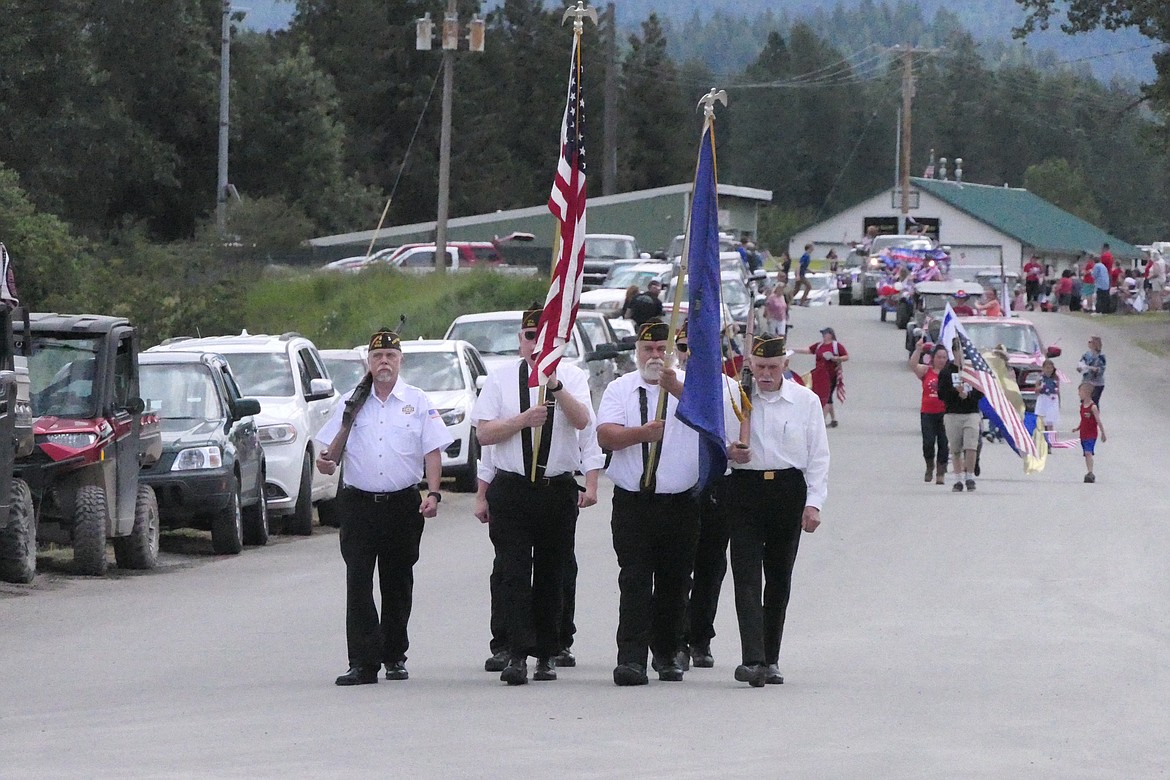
(778,484)
(828,377)
(532,499)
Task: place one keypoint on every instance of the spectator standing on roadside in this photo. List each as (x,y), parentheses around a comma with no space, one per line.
(802,276)
(1092,368)
(1088,287)
(1101,286)
(1156,274)
(1089,426)
(1064,290)
(932,411)
(1033,277)
(776,310)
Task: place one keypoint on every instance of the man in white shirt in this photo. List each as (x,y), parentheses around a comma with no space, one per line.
(655,510)
(532,506)
(778,484)
(396,437)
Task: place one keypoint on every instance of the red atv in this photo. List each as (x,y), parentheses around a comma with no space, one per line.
(92,438)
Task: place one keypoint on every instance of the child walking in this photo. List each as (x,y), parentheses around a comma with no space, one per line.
(1048,396)
(1089,427)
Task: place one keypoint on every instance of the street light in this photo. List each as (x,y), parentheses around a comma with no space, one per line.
(424,34)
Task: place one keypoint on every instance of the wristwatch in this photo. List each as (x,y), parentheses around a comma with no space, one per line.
(560,386)
(435,495)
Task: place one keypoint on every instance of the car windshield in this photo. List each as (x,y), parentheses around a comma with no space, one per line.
(596,331)
(899,242)
(627,276)
(610,248)
(266,374)
(180,391)
(1013,336)
(490,337)
(344,371)
(726,244)
(433,371)
(60,374)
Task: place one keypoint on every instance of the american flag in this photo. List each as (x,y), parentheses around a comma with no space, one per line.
(567,203)
(979,375)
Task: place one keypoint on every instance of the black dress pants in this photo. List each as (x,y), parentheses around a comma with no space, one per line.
(654,536)
(710,565)
(499,628)
(532,531)
(385,530)
(934,439)
(765,533)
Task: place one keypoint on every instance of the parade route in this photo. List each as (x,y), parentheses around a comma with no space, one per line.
(1021,631)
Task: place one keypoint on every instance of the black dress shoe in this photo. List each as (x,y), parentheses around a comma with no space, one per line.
(670,671)
(683,659)
(497,662)
(546,669)
(516,672)
(701,657)
(358,675)
(565,659)
(630,674)
(397,671)
(755,674)
(774,677)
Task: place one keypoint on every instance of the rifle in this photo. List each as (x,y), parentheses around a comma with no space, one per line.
(745,374)
(353,405)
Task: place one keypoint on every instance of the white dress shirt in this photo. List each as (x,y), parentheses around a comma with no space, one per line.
(678,458)
(788,431)
(386,445)
(500,399)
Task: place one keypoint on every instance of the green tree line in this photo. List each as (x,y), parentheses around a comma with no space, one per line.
(110,112)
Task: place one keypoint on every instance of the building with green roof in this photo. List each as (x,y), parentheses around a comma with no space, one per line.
(983,226)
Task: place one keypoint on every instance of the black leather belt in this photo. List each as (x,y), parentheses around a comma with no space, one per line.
(378,498)
(519,479)
(763,475)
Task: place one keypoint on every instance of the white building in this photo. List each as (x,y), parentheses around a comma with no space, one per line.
(981,224)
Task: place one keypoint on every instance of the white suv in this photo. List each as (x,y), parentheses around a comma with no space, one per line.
(286,374)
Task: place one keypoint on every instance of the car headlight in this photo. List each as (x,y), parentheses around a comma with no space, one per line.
(198,458)
(279,433)
(75,441)
(452,416)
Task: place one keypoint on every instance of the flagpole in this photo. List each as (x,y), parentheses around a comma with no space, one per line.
(708,103)
(539,432)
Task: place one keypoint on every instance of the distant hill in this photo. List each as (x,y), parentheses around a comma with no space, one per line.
(1109,54)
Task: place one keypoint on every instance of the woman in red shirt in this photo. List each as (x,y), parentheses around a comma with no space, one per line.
(934,434)
(827,377)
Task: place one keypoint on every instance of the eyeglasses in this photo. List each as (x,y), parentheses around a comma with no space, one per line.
(529,335)
(681,346)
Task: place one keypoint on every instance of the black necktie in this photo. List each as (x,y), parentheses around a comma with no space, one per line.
(526,435)
(646,485)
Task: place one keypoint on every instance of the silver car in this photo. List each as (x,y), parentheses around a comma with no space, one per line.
(495,335)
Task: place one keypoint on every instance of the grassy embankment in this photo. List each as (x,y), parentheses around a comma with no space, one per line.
(341,310)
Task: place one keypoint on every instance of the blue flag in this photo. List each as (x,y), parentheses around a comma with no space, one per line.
(701,404)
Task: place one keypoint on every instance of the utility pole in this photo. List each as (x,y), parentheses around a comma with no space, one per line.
(609,126)
(907,106)
(450,37)
(221,183)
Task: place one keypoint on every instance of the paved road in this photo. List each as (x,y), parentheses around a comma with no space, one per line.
(1021,631)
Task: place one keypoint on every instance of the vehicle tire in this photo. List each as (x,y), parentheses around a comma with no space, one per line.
(301,520)
(89,530)
(139,550)
(227,527)
(904,314)
(256,518)
(18,538)
(329,512)
(467,480)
